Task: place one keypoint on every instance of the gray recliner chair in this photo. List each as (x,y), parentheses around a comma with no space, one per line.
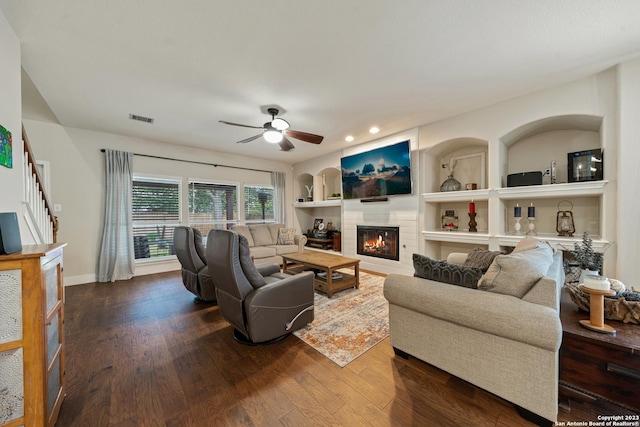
(261,303)
(187,243)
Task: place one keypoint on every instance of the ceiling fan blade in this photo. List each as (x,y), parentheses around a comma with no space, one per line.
(238,124)
(249,139)
(304,136)
(285,144)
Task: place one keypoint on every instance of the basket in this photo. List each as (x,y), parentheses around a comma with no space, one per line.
(615,308)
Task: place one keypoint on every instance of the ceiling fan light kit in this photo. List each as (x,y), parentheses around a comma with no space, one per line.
(273,136)
(275,131)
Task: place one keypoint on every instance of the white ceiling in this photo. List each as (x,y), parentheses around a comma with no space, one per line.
(337,67)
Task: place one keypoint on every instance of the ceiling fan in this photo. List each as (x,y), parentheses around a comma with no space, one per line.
(276,132)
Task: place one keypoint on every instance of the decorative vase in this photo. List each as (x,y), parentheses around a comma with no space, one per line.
(585,272)
(451,184)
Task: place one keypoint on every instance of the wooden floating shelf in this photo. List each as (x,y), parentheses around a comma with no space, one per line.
(574,189)
(457,196)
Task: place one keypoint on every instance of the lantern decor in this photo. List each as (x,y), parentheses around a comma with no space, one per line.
(564,221)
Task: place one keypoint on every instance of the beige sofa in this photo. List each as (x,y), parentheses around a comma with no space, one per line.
(263,242)
(504,344)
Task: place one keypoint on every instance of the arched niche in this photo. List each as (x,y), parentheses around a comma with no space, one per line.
(544,144)
(300,185)
(329,184)
(466,157)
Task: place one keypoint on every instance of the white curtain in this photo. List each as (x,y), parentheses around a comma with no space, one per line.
(279,197)
(116,260)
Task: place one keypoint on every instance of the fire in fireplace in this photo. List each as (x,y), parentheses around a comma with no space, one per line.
(378,241)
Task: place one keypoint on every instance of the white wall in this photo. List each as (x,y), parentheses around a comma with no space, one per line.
(628,206)
(77,180)
(11,187)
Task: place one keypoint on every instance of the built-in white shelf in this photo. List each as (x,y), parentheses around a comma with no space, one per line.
(561,243)
(574,189)
(318,204)
(457,196)
(456,236)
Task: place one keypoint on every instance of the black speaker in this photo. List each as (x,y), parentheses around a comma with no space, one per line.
(9,233)
(524,178)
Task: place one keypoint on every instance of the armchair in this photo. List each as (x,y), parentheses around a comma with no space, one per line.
(189,249)
(261,303)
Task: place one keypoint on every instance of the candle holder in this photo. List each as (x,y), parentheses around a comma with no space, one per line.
(517,225)
(596,311)
(531,226)
(472,222)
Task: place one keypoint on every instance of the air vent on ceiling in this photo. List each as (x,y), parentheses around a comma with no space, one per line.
(141,118)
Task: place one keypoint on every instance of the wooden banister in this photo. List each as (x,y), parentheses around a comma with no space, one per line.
(34,170)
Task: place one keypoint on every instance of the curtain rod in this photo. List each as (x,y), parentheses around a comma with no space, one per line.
(199,163)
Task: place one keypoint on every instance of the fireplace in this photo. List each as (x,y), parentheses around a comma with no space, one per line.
(379,242)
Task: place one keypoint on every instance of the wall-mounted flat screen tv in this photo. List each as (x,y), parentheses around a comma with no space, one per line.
(384,171)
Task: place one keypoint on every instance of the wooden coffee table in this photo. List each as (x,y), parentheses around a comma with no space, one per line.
(327,263)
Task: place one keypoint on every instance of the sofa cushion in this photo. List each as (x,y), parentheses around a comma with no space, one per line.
(286,236)
(259,252)
(244,231)
(442,271)
(517,273)
(249,269)
(261,235)
(480,258)
(274,229)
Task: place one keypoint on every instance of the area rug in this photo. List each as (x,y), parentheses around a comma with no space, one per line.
(350,322)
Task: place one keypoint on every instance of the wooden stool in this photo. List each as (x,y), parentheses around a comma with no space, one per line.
(596,311)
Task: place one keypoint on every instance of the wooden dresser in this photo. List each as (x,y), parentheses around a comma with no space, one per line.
(596,366)
(31,336)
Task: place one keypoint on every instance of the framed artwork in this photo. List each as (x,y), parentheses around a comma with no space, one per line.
(316,223)
(6,148)
(329,225)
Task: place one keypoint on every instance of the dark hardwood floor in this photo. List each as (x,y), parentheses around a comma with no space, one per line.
(141,353)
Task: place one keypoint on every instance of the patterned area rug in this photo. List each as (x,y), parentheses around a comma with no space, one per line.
(350,322)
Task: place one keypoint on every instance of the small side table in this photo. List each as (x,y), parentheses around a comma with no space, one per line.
(596,311)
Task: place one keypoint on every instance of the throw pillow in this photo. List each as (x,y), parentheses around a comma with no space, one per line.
(442,271)
(517,273)
(481,258)
(287,236)
(529,243)
(246,263)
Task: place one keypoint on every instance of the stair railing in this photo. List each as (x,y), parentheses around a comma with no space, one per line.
(39,216)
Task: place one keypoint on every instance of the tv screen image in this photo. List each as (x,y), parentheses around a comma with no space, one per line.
(384,171)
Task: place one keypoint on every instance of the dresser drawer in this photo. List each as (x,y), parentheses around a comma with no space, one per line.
(606,371)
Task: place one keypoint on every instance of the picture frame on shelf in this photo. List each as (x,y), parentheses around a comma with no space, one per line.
(450,220)
(316,223)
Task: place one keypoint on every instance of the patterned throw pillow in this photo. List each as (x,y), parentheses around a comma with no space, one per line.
(480,258)
(287,236)
(442,271)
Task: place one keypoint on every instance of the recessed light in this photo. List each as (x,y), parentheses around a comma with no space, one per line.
(349,138)
(374,130)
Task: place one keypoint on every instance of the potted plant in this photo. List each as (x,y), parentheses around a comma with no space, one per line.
(586,257)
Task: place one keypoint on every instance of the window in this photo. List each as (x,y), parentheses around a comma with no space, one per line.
(156,211)
(258,204)
(212,205)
